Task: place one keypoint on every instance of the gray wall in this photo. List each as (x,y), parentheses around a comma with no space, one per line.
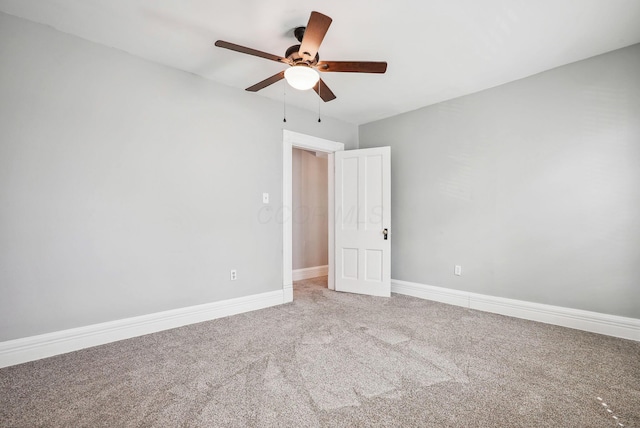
(310,209)
(128,188)
(533,187)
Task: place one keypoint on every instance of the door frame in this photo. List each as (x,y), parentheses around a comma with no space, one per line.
(290,140)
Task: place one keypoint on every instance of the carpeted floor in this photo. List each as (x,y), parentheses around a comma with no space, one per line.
(335,359)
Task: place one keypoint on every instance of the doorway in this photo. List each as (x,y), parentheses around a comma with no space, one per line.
(309,211)
(306,142)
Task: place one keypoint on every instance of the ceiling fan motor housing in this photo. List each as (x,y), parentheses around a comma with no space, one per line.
(293,54)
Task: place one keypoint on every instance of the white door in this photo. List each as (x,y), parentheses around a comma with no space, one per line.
(363,221)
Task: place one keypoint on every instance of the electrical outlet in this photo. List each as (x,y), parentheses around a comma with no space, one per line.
(234,275)
(457,270)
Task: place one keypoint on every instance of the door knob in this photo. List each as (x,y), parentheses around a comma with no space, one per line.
(385,232)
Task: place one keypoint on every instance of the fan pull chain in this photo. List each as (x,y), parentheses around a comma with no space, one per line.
(284,101)
(319,100)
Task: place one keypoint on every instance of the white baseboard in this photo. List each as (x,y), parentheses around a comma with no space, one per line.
(46,345)
(311,272)
(611,325)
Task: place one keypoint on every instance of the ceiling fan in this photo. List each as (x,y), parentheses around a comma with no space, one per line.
(303,60)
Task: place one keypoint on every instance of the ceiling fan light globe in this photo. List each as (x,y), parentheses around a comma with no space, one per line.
(301,77)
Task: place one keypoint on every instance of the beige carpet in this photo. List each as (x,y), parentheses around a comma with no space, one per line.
(335,359)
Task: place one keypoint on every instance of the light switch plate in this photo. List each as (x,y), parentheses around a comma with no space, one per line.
(265,198)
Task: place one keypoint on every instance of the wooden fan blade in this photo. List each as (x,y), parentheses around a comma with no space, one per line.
(352,66)
(249,51)
(266,82)
(313,35)
(323,90)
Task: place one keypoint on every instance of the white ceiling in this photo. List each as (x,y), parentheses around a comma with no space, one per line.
(436,49)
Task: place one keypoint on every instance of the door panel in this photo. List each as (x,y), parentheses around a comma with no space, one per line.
(363,211)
